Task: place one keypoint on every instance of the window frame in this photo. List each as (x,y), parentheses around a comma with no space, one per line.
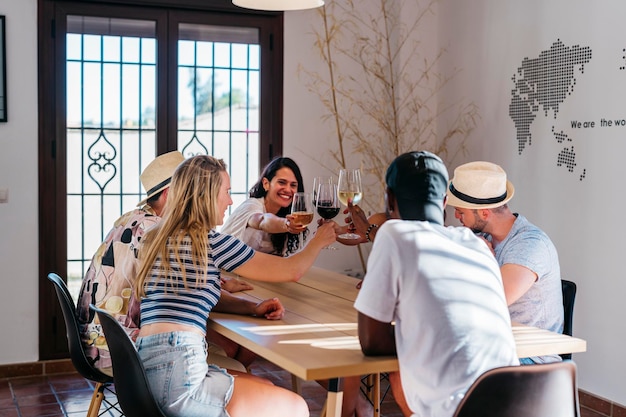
(52,115)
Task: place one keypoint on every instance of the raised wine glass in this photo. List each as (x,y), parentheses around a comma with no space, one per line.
(327,203)
(301,209)
(301,212)
(316,184)
(349,189)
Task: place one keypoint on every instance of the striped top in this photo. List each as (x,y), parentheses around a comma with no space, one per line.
(191,306)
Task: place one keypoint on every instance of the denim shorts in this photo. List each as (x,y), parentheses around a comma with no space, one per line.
(181,380)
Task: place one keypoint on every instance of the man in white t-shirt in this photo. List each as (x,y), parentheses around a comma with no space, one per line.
(440,285)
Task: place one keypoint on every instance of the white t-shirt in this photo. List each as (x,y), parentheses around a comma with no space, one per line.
(237,225)
(443,288)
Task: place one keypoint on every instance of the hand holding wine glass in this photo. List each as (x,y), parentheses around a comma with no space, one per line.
(301,213)
(350,190)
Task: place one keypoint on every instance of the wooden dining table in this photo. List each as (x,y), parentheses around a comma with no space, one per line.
(317,338)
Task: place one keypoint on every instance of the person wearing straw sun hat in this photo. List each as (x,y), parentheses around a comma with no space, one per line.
(109,279)
(480,191)
(110,275)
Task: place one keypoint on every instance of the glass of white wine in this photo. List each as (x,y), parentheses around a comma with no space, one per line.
(301,209)
(349,189)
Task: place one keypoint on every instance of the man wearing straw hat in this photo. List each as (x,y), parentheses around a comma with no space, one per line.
(528,260)
(109,279)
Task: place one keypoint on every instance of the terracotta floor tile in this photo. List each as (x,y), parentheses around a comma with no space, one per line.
(586,412)
(37,400)
(44,410)
(9,413)
(28,381)
(7,403)
(30,390)
(71,382)
(77,395)
(69,395)
(5,390)
(76,406)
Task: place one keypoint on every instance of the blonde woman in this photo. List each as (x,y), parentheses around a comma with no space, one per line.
(179,284)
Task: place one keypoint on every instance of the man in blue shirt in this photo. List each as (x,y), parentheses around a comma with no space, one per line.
(528,260)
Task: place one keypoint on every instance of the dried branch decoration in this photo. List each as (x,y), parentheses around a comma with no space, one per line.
(385,100)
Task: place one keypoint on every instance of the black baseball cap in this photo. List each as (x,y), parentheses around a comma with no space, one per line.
(418,181)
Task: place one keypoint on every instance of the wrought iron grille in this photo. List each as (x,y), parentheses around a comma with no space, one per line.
(111,108)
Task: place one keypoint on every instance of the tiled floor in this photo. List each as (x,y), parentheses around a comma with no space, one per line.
(68,395)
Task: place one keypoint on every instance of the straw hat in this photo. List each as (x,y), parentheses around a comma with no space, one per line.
(479,185)
(158,174)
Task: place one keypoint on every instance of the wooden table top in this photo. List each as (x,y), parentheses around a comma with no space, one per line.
(317,338)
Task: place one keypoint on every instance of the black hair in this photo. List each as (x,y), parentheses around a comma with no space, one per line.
(257,191)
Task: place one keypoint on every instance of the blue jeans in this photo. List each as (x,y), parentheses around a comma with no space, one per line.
(181,380)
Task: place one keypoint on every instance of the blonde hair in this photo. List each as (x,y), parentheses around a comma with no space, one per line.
(190,212)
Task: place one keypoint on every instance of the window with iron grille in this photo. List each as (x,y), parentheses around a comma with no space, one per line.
(136,82)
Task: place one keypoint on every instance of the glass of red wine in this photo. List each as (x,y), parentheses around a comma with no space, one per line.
(324,179)
(327,202)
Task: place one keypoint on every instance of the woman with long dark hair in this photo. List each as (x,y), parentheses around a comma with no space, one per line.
(263,220)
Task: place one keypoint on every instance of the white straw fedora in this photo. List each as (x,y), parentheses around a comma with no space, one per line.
(158,174)
(479,185)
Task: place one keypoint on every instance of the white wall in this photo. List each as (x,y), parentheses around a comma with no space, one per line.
(19,249)
(487,39)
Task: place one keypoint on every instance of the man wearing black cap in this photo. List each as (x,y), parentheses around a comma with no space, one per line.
(440,285)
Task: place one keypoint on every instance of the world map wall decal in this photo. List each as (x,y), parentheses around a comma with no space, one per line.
(543,84)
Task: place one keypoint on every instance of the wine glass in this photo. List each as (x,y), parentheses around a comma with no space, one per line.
(301,212)
(327,203)
(349,188)
(316,183)
(301,209)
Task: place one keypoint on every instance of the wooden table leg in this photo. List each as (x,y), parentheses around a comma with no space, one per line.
(296,384)
(376,395)
(335,397)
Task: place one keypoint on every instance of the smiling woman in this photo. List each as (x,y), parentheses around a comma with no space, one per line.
(264,221)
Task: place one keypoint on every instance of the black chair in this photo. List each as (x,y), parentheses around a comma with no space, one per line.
(131,384)
(77,353)
(569,296)
(546,390)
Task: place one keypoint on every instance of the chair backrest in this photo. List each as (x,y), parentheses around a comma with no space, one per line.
(546,390)
(569,296)
(75,344)
(131,385)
